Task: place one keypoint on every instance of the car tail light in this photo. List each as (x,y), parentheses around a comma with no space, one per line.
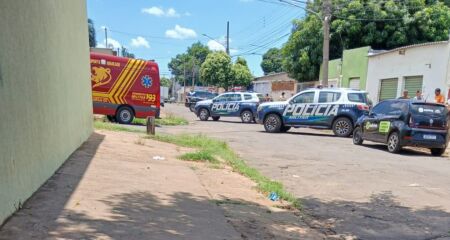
(411,122)
(363,107)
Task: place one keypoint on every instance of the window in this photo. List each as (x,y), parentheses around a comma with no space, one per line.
(222,98)
(234,97)
(357,97)
(326,97)
(391,108)
(247,97)
(307,97)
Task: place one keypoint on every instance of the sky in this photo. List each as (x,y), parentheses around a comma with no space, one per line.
(161,29)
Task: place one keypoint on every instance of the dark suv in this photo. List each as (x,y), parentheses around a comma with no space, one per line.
(399,123)
(193,97)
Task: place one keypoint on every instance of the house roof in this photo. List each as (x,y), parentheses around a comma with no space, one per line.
(269,75)
(380,52)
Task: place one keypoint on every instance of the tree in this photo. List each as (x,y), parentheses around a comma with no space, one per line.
(379,24)
(272,61)
(165,82)
(92,37)
(188,62)
(240,74)
(217,70)
(126,53)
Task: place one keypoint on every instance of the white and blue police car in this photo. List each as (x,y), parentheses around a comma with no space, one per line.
(230,104)
(330,108)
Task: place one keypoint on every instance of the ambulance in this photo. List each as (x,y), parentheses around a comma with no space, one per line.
(124,88)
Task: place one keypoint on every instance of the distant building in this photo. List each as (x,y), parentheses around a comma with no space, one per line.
(107,51)
(421,67)
(274,84)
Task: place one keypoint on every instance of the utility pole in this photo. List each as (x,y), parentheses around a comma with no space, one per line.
(184,78)
(326,41)
(193,78)
(106,37)
(228,37)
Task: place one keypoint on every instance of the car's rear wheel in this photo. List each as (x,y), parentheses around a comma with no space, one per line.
(203,114)
(342,127)
(393,143)
(357,136)
(437,151)
(125,115)
(192,107)
(246,116)
(216,118)
(272,123)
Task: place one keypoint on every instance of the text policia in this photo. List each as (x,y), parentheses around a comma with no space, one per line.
(311,110)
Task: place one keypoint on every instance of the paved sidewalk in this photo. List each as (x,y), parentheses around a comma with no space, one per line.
(112,188)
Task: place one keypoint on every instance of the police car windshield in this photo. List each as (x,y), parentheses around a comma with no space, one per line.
(427,109)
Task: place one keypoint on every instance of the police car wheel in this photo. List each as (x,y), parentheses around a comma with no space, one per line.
(393,143)
(216,118)
(437,151)
(192,107)
(247,116)
(357,136)
(342,127)
(272,123)
(125,115)
(203,114)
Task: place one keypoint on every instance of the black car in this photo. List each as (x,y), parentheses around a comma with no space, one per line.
(398,123)
(193,97)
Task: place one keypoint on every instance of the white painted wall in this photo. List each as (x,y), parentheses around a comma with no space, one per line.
(431,62)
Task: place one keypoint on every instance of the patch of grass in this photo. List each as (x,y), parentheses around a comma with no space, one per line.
(199,156)
(115,127)
(169,120)
(220,149)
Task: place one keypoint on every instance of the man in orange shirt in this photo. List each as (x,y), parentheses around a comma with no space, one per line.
(438,97)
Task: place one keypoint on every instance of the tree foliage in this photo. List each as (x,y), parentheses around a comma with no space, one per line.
(272,61)
(92,37)
(379,24)
(241,75)
(217,70)
(188,62)
(165,82)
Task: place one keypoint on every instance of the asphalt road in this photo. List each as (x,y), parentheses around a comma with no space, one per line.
(362,191)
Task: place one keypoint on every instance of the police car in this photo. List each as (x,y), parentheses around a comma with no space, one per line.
(402,122)
(330,108)
(232,104)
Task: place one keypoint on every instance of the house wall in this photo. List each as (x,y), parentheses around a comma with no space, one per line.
(354,65)
(45,93)
(429,61)
(334,72)
(275,84)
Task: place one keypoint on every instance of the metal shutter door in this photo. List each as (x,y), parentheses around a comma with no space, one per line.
(388,89)
(412,84)
(354,83)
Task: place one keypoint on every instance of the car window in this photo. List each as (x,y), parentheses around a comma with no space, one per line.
(222,98)
(326,97)
(247,96)
(357,97)
(235,97)
(307,97)
(390,108)
(428,109)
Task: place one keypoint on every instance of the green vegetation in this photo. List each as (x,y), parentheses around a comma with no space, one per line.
(169,120)
(209,148)
(199,156)
(115,127)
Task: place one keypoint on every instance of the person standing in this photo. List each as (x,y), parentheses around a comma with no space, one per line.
(438,97)
(405,95)
(418,96)
(282,97)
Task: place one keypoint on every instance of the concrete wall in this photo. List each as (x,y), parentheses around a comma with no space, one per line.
(334,72)
(354,65)
(45,93)
(430,61)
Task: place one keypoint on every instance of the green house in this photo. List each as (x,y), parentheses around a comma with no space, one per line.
(350,71)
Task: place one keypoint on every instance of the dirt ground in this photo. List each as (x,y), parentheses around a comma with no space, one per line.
(121,186)
(361,191)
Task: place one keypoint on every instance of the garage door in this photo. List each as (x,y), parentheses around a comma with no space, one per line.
(354,83)
(388,89)
(412,84)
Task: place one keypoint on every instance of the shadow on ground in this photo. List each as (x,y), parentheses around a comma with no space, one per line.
(381,218)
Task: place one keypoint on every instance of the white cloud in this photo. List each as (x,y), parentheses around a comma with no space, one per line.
(156,11)
(215,46)
(160,12)
(112,43)
(140,42)
(180,33)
